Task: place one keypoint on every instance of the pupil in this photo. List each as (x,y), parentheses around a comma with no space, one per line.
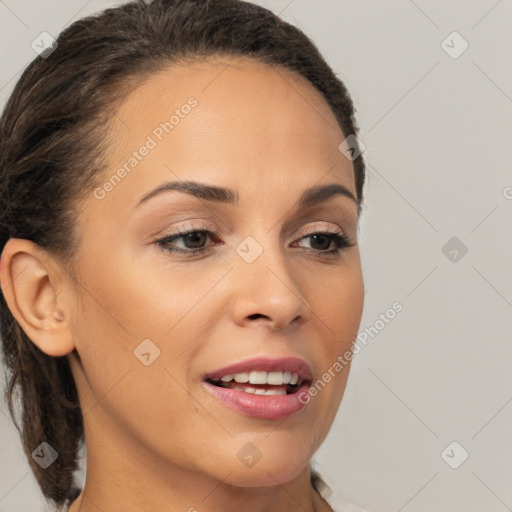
(325,239)
(196,239)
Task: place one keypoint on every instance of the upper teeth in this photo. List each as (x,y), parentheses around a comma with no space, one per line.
(275,378)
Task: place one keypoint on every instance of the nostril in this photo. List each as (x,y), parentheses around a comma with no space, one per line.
(256,315)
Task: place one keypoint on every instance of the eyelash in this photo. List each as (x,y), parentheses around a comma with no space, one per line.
(340,240)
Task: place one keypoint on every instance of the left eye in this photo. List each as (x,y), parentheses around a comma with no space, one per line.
(321,242)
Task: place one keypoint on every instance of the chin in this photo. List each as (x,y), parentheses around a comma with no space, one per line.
(276,466)
(267,476)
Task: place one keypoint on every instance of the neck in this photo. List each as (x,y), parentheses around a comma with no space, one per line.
(116,482)
(274,500)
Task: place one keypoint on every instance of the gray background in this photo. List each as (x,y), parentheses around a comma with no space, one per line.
(437,131)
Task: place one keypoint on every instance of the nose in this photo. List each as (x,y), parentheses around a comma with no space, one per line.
(269,292)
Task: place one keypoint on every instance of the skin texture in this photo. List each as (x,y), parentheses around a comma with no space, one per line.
(156,439)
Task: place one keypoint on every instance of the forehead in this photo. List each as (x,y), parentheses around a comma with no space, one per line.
(235,121)
(240,97)
(236,84)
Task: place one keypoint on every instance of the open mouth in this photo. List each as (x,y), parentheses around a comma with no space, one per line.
(271,389)
(261,383)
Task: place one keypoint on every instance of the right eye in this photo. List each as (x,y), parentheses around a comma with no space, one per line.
(193,241)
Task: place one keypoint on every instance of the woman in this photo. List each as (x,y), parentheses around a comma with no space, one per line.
(181,185)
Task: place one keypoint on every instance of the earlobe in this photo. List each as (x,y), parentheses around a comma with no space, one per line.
(33,287)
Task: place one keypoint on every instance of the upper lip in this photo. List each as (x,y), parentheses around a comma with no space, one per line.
(265,364)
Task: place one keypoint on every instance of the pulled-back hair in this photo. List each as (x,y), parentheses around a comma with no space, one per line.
(53,144)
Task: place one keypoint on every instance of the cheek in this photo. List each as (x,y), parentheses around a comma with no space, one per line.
(138,300)
(338,308)
(132,315)
(337,302)
(135,353)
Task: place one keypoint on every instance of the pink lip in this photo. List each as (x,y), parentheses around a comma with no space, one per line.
(273,407)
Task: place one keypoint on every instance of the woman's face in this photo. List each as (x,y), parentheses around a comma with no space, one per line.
(156,314)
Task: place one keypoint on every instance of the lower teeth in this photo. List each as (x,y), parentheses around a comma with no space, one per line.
(260,391)
(247,388)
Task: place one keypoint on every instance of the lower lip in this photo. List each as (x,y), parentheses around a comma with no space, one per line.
(270,407)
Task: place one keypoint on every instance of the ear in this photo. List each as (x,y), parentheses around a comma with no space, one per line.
(33,284)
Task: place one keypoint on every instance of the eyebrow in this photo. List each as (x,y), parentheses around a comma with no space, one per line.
(310,196)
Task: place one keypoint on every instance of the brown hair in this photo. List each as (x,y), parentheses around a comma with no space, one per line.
(52,149)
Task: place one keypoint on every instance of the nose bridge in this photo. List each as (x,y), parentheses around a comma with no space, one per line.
(267,284)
